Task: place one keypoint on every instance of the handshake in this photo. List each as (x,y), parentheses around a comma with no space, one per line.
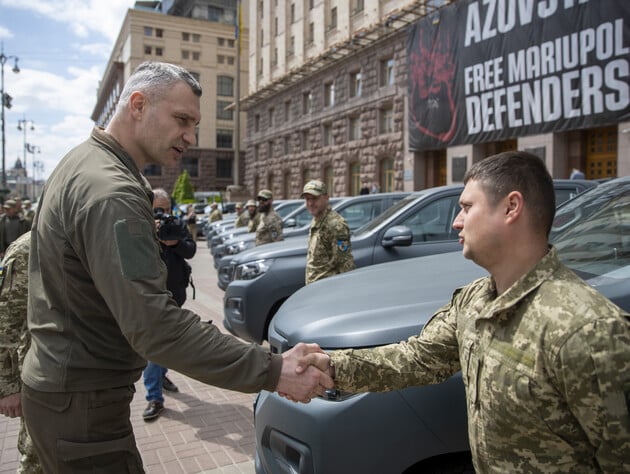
(306,373)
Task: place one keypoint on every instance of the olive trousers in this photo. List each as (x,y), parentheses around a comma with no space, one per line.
(81,432)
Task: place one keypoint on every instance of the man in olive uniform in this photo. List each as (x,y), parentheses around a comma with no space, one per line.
(242,217)
(545,358)
(329,248)
(215,215)
(269,228)
(98,305)
(15,341)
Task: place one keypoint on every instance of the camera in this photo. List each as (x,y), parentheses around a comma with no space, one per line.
(170,227)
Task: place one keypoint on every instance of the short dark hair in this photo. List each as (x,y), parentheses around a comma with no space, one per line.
(518,171)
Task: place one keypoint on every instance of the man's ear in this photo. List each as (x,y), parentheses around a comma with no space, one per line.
(514,205)
(137,104)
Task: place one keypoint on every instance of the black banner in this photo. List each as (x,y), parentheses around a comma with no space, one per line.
(490,70)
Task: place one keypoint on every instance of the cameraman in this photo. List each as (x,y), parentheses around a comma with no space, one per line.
(176,245)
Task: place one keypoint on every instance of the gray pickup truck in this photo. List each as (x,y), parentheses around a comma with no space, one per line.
(419,429)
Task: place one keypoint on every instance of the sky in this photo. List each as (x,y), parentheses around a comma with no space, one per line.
(63,47)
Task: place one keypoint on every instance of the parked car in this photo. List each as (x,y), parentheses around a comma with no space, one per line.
(425,427)
(262,278)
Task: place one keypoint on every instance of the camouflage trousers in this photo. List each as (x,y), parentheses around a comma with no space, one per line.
(29,462)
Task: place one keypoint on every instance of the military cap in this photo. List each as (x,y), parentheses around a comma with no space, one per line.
(251,202)
(265,194)
(314,187)
(27,202)
(10,203)
(214,204)
(238,205)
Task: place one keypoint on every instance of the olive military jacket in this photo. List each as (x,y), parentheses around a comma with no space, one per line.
(329,249)
(14,335)
(269,228)
(546,366)
(98,304)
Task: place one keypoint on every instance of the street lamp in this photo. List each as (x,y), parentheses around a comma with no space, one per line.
(31,149)
(23,124)
(6,102)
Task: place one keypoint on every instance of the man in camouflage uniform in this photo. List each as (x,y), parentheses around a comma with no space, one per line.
(329,249)
(269,228)
(544,357)
(242,217)
(12,225)
(253,216)
(216,214)
(14,342)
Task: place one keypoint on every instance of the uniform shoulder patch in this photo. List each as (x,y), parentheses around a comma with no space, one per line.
(136,249)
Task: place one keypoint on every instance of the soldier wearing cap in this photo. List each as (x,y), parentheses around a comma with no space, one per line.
(28,211)
(216,214)
(12,225)
(269,228)
(253,215)
(242,218)
(329,249)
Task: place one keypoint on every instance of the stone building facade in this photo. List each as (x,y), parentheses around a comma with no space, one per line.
(344,125)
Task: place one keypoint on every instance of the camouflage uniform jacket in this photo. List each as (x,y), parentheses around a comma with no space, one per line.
(546,366)
(14,336)
(253,222)
(269,229)
(242,220)
(216,216)
(329,249)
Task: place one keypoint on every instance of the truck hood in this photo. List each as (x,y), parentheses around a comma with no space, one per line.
(374,305)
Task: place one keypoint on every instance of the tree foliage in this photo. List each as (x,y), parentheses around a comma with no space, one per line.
(183,192)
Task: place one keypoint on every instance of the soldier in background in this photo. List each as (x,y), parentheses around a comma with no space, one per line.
(242,217)
(215,214)
(28,211)
(12,225)
(545,358)
(269,228)
(253,216)
(14,342)
(329,248)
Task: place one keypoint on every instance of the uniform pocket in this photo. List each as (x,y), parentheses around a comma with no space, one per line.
(117,455)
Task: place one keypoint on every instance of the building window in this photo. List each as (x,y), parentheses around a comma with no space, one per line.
(306,176)
(196,55)
(222,113)
(287,110)
(221,41)
(159,32)
(196,37)
(291,50)
(147,49)
(148,31)
(329,94)
(272,118)
(311,33)
(257,123)
(224,168)
(355,179)
(230,60)
(293,13)
(286,146)
(152,170)
(224,138)
(327,136)
(256,153)
(275,26)
(332,25)
(220,59)
(185,36)
(386,76)
(225,86)
(387,175)
(305,141)
(386,121)
(307,102)
(286,184)
(328,178)
(359,6)
(191,165)
(274,61)
(262,36)
(230,43)
(270,149)
(354,128)
(311,4)
(185,54)
(355,84)
(159,51)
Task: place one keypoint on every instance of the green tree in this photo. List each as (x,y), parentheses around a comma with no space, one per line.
(183,192)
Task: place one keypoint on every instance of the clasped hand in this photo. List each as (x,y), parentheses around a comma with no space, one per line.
(305,373)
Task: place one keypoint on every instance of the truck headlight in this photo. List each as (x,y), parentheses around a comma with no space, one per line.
(251,270)
(233,249)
